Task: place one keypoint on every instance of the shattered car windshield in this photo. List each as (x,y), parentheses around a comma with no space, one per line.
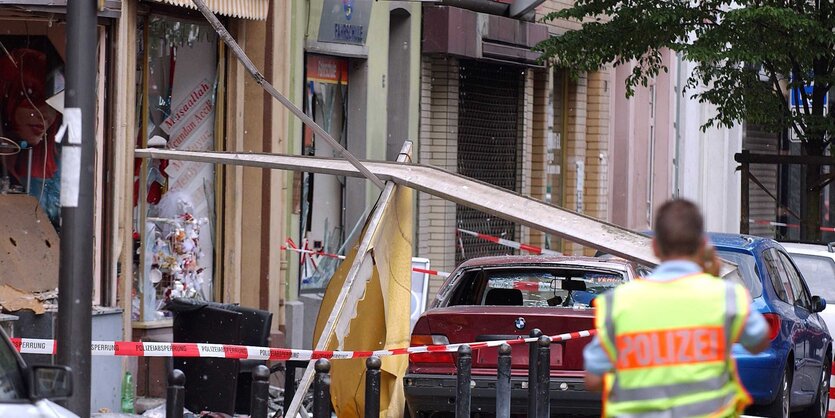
(534,287)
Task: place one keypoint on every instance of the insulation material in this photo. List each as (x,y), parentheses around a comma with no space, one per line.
(13,300)
(381,319)
(29,245)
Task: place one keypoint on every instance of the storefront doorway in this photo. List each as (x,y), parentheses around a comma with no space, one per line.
(323,196)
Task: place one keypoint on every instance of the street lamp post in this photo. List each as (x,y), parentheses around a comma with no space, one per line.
(75,286)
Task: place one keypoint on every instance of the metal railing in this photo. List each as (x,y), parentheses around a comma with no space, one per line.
(538,384)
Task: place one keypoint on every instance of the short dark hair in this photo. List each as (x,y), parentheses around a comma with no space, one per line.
(679,228)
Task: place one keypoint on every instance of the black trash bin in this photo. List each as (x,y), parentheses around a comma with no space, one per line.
(213,384)
(255,331)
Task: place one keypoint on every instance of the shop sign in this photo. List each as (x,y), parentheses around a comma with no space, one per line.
(345,21)
(325,69)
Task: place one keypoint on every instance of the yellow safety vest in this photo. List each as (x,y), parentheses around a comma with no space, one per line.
(670,344)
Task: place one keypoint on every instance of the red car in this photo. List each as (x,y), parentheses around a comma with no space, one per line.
(503,298)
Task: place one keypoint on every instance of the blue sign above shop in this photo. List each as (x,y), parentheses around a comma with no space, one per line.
(345,21)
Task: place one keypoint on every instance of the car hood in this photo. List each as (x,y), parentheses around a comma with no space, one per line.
(39,409)
(52,409)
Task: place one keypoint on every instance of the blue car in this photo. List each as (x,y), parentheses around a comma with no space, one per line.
(792,375)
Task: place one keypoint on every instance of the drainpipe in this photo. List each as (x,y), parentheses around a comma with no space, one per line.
(677,128)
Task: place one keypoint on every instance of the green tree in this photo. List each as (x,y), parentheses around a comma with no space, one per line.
(747,54)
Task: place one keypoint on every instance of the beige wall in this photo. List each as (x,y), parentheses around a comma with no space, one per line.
(584,132)
(541,90)
(642,170)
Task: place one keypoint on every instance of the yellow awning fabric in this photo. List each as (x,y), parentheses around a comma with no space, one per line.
(382,315)
(244,9)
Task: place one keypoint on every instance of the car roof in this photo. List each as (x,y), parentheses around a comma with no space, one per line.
(738,241)
(808,248)
(741,241)
(519,260)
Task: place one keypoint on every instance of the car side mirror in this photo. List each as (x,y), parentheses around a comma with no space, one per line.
(50,382)
(818,304)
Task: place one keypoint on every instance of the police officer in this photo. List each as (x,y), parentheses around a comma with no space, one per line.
(663,344)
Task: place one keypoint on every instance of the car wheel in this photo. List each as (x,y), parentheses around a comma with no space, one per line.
(820,407)
(782,403)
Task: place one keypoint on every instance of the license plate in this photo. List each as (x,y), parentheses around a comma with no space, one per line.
(488,357)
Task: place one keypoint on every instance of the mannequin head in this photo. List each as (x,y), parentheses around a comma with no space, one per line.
(24,110)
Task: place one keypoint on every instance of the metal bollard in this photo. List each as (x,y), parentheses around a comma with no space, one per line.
(464,391)
(322,390)
(289,383)
(176,397)
(543,377)
(532,373)
(503,383)
(260,392)
(372,387)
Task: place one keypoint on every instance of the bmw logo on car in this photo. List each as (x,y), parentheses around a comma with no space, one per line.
(520,323)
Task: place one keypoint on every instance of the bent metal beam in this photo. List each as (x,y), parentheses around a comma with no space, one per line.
(455,188)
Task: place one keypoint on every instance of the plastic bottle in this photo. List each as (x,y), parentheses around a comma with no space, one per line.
(128,394)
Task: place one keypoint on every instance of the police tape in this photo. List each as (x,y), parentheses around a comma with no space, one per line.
(508,243)
(291,247)
(831,409)
(241,352)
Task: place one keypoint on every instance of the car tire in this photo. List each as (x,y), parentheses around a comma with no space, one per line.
(820,407)
(781,407)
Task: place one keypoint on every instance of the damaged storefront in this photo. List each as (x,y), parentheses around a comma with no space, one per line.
(359,79)
(183,92)
(32,67)
(174,200)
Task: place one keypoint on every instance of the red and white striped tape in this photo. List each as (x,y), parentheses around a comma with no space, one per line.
(831,412)
(293,248)
(512,244)
(159,349)
(787,225)
(430,272)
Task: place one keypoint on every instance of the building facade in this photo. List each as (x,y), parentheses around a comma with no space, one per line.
(492,111)
(355,70)
(663,151)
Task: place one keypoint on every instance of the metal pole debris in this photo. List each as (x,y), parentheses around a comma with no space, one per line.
(455,188)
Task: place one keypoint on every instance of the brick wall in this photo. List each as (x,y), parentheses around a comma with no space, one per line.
(597,145)
(586,138)
(558,26)
(575,149)
(586,141)
(526,143)
(542,84)
(438,146)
